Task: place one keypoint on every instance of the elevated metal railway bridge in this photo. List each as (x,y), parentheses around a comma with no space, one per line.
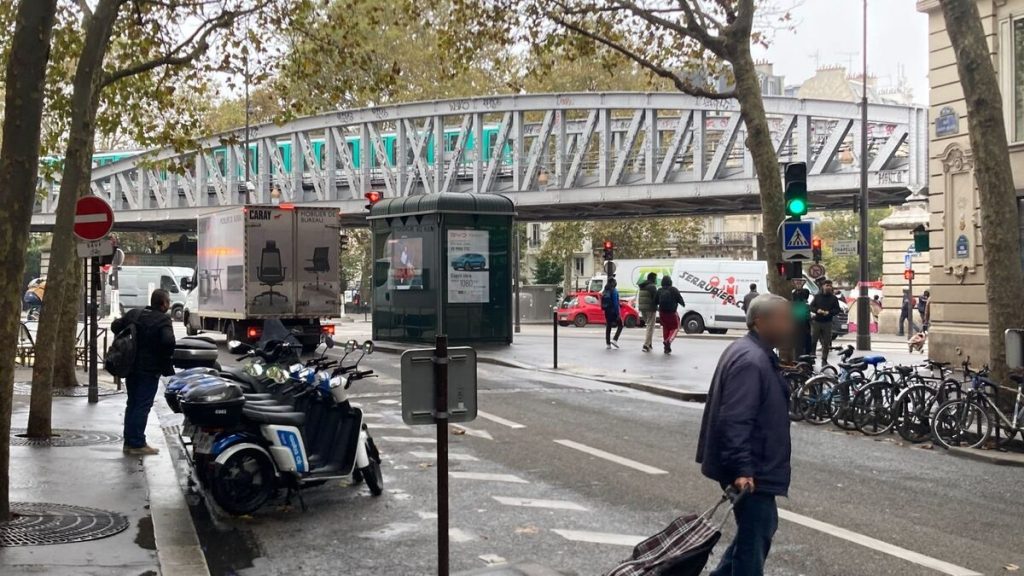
(557,156)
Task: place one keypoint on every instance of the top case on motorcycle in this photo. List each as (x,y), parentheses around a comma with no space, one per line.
(194,352)
(278,418)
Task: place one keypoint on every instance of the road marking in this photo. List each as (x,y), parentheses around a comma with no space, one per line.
(388,402)
(600,537)
(492,559)
(611,457)
(499,420)
(533,503)
(872,543)
(427,515)
(390,427)
(458,535)
(451,456)
(473,432)
(409,439)
(488,477)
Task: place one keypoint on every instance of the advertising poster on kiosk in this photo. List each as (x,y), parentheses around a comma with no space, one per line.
(406,264)
(271,279)
(468,266)
(316,254)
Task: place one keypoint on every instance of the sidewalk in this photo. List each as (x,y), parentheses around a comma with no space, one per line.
(137,500)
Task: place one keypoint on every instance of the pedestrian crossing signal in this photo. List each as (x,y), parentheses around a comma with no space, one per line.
(796,189)
(816,249)
(372,198)
(609,250)
(908,275)
(790,270)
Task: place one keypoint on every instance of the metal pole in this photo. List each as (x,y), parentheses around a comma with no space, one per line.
(910,306)
(441,417)
(94,266)
(245,154)
(554,346)
(863,307)
(517,279)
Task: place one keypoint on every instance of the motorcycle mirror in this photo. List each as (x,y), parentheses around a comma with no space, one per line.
(277,374)
(368,347)
(238,347)
(351,345)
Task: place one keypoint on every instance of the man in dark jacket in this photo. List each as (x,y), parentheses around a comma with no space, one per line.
(612,313)
(744,435)
(647,301)
(750,296)
(669,301)
(824,307)
(153,351)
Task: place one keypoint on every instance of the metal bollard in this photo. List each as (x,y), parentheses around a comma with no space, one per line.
(554,347)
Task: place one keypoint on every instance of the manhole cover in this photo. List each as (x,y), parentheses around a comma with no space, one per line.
(64,438)
(38,523)
(25,389)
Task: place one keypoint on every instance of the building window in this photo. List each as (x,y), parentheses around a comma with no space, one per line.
(577,264)
(1011,48)
(534,235)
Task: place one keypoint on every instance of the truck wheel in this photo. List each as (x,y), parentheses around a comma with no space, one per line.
(188,326)
(693,324)
(229,331)
(178,313)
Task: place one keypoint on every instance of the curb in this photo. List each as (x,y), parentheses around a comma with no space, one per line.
(990,456)
(177,544)
(657,390)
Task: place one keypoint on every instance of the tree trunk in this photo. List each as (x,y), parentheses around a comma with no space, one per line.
(19,168)
(766,162)
(64,366)
(993,175)
(61,278)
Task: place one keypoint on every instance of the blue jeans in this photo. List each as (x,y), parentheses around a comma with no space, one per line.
(141,387)
(757,518)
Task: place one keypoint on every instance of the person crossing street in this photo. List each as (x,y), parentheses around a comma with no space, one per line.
(669,301)
(612,314)
(647,301)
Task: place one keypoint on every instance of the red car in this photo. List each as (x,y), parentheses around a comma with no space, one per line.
(584,308)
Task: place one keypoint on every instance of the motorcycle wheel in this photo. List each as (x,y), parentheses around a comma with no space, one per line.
(372,474)
(244,482)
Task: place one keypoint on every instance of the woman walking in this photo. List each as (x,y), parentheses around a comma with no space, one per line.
(669,301)
(612,314)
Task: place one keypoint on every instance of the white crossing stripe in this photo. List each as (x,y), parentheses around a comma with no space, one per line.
(458,535)
(499,420)
(533,503)
(388,402)
(488,477)
(409,439)
(611,457)
(872,543)
(600,537)
(451,456)
(90,218)
(389,426)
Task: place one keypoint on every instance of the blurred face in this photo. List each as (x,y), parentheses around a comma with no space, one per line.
(776,326)
(827,288)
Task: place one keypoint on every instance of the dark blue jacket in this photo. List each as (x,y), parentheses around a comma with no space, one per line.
(610,303)
(745,430)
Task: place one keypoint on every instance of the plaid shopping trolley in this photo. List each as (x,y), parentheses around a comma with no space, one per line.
(681,549)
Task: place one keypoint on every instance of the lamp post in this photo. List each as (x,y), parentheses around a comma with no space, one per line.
(863,305)
(245,153)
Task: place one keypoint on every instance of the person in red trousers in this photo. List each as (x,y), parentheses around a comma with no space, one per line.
(669,301)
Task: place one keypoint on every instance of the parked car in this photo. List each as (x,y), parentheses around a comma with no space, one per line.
(470,261)
(584,308)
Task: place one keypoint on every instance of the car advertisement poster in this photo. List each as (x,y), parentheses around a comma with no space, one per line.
(316,273)
(270,286)
(468,266)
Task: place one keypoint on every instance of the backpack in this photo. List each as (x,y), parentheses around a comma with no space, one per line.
(668,299)
(120,357)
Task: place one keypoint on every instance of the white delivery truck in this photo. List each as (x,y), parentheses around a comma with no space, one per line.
(256,263)
(135,282)
(714,291)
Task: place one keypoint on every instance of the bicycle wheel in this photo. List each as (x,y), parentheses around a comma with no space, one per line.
(961,423)
(913,412)
(871,409)
(841,409)
(814,399)
(795,381)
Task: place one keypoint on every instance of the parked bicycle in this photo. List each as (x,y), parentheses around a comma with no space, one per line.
(971,420)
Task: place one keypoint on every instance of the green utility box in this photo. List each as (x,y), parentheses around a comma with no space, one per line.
(443,265)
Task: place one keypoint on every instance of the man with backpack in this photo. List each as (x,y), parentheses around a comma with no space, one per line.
(142,350)
(669,301)
(647,301)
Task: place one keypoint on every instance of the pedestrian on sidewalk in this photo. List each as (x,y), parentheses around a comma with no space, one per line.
(669,301)
(153,351)
(612,313)
(647,301)
(750,296)
(824,307)
(922,306)
(906,315)
(744,434)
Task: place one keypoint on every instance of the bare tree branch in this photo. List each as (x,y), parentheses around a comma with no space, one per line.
(700,33)
(86,10)
(681,84)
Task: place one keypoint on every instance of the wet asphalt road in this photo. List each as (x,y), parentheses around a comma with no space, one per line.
(964,517)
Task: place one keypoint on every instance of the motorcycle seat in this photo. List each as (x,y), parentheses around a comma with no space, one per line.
(272,408)
(278,418)
(259,396)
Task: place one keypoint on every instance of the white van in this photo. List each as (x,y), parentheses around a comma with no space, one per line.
(133,283)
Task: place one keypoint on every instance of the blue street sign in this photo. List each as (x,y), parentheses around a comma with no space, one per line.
(796,240)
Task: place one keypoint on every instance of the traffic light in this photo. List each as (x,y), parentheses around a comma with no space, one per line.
(816,249)
(790,270)
(344,242)
(908,275)
(609,250)
(796,189)
(372,198)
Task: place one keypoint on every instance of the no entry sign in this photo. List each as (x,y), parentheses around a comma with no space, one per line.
(93,218)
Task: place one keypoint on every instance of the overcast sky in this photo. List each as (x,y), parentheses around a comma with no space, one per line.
(829,32)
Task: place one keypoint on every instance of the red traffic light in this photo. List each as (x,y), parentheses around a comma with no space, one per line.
(908,274)
(816,243)
(373,197)
(608,245)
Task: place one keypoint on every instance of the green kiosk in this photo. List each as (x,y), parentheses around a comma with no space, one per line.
(443,265)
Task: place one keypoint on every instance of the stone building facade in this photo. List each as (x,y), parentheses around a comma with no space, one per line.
(959,308)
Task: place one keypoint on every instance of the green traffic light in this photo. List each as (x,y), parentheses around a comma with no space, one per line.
(796,207)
